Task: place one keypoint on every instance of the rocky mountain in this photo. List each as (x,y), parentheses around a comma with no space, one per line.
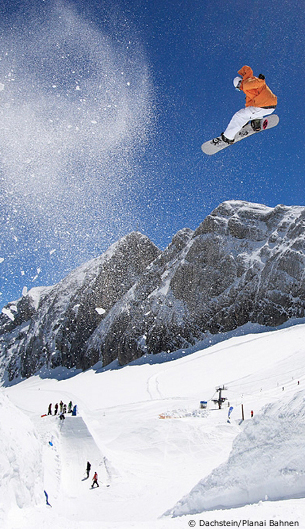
(244,263)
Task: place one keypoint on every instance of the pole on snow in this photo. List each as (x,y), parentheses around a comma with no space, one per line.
(220,399)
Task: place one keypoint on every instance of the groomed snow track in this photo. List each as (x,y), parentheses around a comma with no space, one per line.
(78,447)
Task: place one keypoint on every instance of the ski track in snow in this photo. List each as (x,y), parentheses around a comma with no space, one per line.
(174,465)
(153,388)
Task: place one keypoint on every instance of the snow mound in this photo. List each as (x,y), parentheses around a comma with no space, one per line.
(267,462)
(21,482)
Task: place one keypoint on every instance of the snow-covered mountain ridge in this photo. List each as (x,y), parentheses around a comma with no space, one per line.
(244,263)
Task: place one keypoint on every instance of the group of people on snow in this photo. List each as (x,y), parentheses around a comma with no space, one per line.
(61,409)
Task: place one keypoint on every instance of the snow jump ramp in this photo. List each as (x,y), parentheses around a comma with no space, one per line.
(77,447)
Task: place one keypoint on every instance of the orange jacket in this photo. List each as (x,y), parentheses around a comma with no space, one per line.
(258,94)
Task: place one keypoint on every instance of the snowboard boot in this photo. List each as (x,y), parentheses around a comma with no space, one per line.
(256,125)
(226,140)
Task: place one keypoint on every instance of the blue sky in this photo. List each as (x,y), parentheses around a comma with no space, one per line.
(103,113)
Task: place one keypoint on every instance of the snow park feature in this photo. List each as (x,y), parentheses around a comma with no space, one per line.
(193,470)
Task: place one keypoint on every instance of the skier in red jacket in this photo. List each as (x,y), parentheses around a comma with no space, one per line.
(94,480)
(260,102)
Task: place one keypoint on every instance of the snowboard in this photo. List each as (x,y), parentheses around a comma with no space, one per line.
(217,144)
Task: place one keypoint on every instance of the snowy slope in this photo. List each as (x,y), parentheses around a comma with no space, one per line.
(21,467)
(266,462)
(182,465)
(77,443)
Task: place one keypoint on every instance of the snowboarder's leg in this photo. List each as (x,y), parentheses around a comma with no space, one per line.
(239,119)
(242,117)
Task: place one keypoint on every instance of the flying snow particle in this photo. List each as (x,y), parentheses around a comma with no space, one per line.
(37,274)
(100,310)
(8,313)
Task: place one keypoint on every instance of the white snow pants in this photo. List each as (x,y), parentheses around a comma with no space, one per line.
(242,117)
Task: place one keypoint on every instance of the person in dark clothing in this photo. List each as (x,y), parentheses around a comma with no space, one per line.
(56,409)
(47,498)
(88,469)
(50,409)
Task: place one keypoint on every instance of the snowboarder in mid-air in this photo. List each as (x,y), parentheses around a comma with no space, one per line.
(260,102)
(255,117)
(94,480)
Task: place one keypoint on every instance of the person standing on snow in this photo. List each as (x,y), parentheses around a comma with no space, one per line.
(94,480)
(88,468)
(47,498)
(260,102)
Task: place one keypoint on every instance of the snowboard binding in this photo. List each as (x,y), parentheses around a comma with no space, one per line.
(256,125)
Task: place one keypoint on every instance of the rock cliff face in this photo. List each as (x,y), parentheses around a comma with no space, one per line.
(244,263)
(50,327)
